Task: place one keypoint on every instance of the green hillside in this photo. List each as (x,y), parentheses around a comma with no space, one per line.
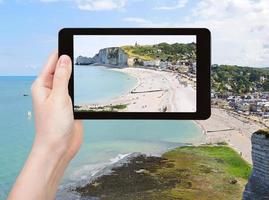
(164,51)
(240,80)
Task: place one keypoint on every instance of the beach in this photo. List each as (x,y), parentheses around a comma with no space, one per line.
(155,91)
(226,126)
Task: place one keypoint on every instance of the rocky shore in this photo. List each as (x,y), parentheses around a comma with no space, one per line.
(183,173)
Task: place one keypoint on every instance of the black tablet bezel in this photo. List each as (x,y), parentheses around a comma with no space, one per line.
(203,97)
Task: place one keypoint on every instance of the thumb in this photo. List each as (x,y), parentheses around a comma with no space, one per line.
(62,76)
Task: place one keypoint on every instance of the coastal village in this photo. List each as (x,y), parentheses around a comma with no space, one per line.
(253,106)
(250,104)
(185,68)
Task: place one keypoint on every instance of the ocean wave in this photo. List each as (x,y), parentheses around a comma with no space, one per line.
(119,157)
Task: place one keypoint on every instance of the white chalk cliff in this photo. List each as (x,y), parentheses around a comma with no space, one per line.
(108,56)
(257,187)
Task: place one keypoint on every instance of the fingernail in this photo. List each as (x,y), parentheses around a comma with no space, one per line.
(64,60)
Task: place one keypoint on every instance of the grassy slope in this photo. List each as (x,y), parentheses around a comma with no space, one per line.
(129,51)
(210,171)
(188,173)
(164,51)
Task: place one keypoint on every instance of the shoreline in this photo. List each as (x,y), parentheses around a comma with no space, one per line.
(223,126)
(182,168)
(155,91)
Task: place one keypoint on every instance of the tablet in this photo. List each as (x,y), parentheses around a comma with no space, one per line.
(138,73)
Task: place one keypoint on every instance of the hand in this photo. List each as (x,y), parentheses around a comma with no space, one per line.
(58,135)
(54,121)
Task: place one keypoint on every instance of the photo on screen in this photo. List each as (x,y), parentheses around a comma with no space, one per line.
(135,73)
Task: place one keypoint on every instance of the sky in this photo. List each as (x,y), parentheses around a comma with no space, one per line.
(89,45)
(29,28)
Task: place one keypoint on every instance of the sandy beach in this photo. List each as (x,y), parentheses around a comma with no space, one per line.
(226,126)
(156,91)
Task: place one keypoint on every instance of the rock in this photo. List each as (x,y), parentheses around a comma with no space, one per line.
(112,56)
(107,56)
(130,175)
(84,60)
(140,171)
(232,181)
(258,184)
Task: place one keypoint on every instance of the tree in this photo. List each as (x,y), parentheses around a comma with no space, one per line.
(266,85)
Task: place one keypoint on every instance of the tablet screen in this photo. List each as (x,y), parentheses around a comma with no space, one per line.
(134,73)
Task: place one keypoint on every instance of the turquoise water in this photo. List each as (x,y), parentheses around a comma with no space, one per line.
(104,141)
(94,84)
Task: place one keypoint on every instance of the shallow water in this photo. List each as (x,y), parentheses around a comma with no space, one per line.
(95,84)
(105,141)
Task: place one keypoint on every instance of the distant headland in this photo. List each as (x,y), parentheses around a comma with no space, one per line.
(107,56)
(178,56)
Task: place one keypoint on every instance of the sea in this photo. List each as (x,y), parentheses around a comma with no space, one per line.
(97,84)
(105,141)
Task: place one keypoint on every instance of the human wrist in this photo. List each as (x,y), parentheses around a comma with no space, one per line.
(41,173)
(46,146)
(50,161)
(49,155)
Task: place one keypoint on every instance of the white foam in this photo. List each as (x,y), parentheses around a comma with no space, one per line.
(119,157)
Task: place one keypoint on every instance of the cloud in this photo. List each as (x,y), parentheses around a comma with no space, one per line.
(178,4)
(142,22)
(137,20)
(93,5)
(97,5)
(266,46)
(239,29)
